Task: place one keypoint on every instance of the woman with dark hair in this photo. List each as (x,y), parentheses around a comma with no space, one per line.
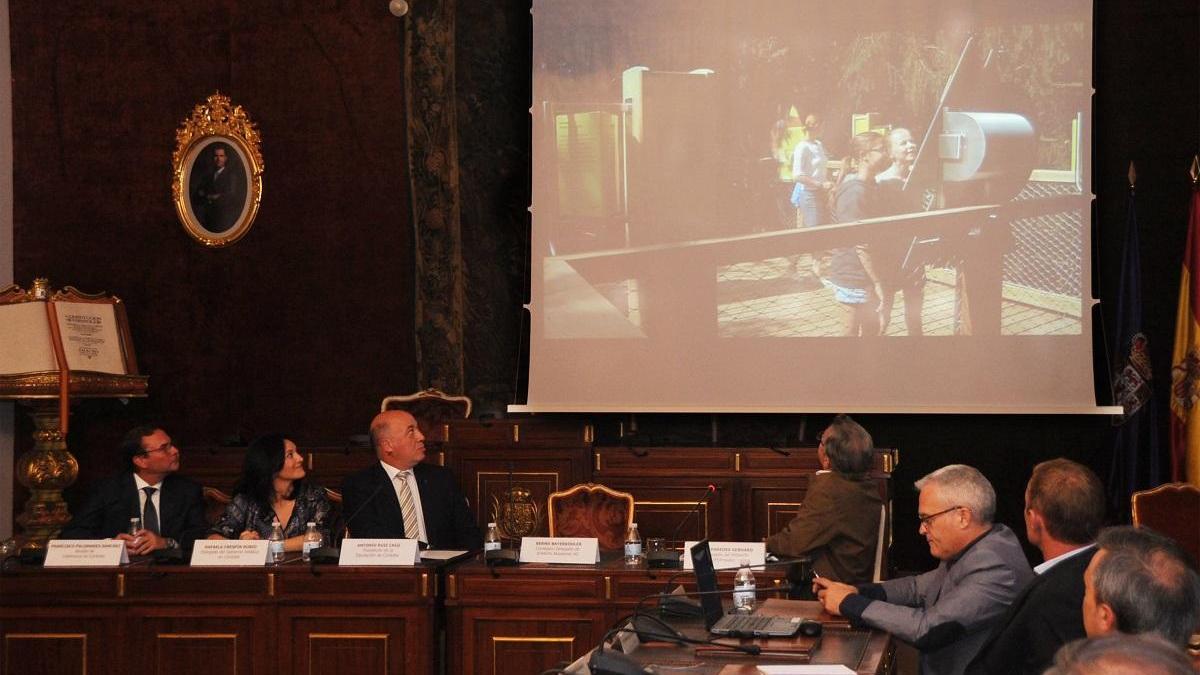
(271,487)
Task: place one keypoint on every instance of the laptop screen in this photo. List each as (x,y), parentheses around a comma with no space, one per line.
(706,583)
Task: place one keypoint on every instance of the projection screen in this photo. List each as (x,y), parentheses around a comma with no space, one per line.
(772,205)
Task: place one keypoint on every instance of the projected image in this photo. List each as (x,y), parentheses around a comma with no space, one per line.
(729,170)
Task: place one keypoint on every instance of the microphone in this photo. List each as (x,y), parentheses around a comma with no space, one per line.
(328,555)
(669,559)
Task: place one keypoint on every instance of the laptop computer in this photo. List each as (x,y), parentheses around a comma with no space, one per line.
(732,625)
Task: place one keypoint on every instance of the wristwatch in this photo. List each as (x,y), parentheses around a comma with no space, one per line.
(172,544)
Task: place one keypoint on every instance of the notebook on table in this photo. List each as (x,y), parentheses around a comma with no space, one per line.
(732,625)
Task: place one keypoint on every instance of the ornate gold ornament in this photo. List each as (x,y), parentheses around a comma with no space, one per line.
(218,164)
(515,513)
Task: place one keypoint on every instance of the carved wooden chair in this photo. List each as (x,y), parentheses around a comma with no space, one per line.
(591,510)
(215,502)
(1172,509)
(431,405)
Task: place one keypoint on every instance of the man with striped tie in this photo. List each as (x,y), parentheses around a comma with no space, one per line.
(403,497)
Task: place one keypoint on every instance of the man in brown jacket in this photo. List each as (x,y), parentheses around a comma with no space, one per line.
(838,523)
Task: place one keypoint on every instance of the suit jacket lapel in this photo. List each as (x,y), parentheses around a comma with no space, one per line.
(132,500)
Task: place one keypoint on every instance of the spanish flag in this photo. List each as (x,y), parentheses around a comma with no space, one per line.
(1185,361)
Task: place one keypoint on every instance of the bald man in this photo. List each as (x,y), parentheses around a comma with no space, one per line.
(403,497)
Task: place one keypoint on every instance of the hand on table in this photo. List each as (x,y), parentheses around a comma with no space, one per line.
(142,542)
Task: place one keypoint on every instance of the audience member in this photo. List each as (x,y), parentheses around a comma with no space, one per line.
(838,522)
(1141,582)
(1064,510)
(1120,654)
(947,613)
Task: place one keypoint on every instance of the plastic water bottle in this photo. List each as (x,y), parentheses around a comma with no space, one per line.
(312,539)
(276,547)
(491,541)
(633,545)
(744,597)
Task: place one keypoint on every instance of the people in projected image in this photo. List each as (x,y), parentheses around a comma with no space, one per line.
(852,271)
(895,259)
(809,171)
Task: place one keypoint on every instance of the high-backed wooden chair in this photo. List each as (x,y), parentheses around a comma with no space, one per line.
(591,510)
(432,405)
(215,502)
(1172,509)
(433,409)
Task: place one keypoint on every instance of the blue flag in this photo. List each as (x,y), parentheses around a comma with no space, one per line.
(1137,461)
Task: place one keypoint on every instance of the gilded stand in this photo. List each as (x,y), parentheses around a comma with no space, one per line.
(67,346)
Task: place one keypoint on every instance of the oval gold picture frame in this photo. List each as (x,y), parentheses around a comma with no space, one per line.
(218,165)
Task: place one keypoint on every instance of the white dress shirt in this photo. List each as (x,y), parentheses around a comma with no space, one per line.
(411,479)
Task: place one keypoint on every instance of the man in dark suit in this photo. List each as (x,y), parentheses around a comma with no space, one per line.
(217,198)
(170,507)
(1064,509)
(402,497)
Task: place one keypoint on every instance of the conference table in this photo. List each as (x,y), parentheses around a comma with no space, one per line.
(290,618)
(533,617)
(297,618)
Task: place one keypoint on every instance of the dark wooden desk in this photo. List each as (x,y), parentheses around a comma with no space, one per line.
(529,618)
(219,620)
(866,652)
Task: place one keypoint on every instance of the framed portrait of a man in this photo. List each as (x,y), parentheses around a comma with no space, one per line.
(218,172)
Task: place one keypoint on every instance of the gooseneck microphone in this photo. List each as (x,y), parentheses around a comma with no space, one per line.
(669,559)
(329,555)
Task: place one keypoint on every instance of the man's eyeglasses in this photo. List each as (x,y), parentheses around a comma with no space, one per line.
(162,448)
(925,520)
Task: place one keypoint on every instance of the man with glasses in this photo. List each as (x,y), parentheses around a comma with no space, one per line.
(170,508)
(947,613)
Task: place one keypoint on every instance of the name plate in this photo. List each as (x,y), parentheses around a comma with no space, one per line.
(230,553)
(380,552)
(86,553)
(560,550)
(729,555)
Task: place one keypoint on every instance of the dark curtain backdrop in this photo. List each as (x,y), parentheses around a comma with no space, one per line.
(309,320)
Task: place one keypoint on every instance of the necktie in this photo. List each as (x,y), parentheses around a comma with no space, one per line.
(412,529)
(150,517)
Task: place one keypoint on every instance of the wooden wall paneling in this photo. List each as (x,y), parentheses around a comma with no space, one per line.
(45,640)
(672,461)
(487,476)
(495,641)
(213,639)
(662,506)
(372,640)
(361,620)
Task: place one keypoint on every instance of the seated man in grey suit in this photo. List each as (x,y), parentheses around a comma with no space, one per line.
(1064,509)
(947,613)
(171,507)
(1141,582)
(402,497)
